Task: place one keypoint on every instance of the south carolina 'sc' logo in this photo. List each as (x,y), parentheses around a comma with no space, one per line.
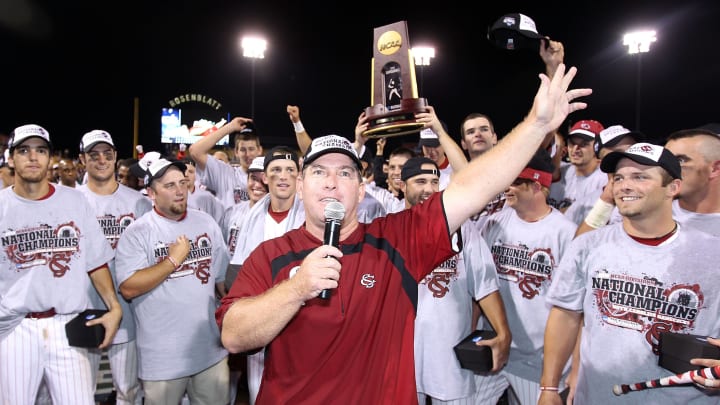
(368,281)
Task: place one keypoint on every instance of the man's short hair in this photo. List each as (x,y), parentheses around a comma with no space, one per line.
(403,151)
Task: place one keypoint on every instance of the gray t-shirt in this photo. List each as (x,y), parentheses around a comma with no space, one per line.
(176,331)
(629,293)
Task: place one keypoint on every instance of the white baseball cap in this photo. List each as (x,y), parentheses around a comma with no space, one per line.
(158,168)
(25,132)
(94,137)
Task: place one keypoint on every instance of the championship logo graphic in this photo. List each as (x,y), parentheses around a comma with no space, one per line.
(196,263)
(42,245)
(113,226)
(645,304)
(528,268)
(438,282)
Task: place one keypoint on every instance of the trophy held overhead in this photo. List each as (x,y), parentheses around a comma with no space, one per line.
(393,93)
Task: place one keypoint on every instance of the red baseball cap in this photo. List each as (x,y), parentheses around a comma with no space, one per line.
(588,129)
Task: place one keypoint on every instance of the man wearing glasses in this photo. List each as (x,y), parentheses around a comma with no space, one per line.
(115,206)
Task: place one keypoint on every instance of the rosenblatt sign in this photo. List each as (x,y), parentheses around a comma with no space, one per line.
(196,98)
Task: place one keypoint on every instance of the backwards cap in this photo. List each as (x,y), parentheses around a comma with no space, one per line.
(646,154)
(413,167)
(331,144)
(25,132)
(280,153)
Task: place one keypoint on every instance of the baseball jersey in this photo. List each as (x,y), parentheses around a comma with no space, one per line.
(369,209)
(709,223)
(48,248)
(526,255)
(357,346)
(445,174)
(114,213)
(230,224)
(203,200)
(386,198)
(444,314)
(228,182)
(576,193)
(176,335)
(629,293)
(257,223)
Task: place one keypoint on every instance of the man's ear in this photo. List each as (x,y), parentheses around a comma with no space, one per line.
(361,194)
(714,169)
(674,188)
(298,186)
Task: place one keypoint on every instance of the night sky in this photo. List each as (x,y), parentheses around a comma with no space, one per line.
(74,66)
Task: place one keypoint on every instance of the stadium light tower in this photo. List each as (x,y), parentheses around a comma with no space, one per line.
(422,56)
(253,48)
(638,42)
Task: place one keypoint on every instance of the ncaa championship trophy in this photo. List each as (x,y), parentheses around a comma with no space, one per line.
(393,94)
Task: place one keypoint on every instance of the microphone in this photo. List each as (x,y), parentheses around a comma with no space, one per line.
(334,214)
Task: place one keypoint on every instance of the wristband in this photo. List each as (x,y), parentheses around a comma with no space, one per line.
(298,127)
(174,263)
(600,214)
(553,389)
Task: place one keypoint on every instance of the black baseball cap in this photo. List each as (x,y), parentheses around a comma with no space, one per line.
(413,167)
(515,31)
(645,154)
(280,153)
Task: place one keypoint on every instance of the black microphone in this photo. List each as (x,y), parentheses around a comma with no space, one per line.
(334,214)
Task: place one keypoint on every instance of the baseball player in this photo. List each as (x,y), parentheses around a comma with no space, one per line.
(356,346)
(233,216)
(527,242)
(168,263)
(445,297)
(629,282)
(698,204)
(433,149)
(477,136)
(229,183)
(52,249)
(611,139)
(274,215)
(198,197)
(582,176)
(116,207)
(7,175)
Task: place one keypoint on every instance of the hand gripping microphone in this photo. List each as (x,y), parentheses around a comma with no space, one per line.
(334,214)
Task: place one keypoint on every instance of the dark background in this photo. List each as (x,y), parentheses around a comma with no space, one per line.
(73,66)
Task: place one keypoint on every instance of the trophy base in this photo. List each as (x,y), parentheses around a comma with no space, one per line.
(383,123)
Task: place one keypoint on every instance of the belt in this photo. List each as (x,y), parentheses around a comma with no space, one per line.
(41,315)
